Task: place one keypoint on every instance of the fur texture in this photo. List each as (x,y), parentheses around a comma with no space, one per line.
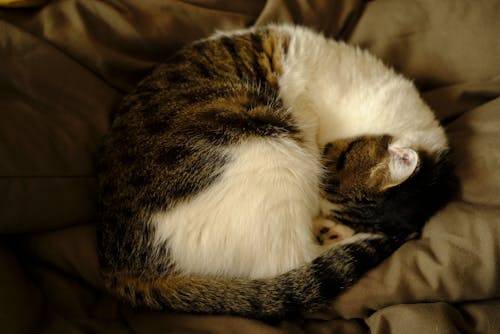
(218,164)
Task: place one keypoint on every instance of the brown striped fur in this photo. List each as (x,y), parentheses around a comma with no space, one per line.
(168,143)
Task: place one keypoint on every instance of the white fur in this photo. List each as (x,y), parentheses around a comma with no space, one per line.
(354,94)
(256,220)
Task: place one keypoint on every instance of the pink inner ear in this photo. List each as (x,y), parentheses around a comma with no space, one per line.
(402,163)
(405,155)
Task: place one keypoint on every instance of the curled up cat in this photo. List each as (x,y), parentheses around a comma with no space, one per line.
(223,161)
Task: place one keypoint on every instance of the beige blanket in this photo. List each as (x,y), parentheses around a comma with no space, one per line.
(66,64)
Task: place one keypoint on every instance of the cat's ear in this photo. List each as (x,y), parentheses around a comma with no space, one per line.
(401,164)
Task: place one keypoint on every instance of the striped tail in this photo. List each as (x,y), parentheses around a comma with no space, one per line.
(308,288)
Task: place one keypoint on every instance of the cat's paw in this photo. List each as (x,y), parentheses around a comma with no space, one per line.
(328,232)
(360,237)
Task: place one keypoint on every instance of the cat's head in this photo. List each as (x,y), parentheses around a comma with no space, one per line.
(375,185)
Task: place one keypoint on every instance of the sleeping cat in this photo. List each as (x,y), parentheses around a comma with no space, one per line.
(220,164)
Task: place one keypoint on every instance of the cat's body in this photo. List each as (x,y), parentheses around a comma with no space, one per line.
(214,173)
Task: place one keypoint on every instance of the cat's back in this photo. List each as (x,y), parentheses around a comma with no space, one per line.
(205,165)
(211,95)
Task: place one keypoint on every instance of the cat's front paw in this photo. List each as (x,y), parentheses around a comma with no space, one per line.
(328,232)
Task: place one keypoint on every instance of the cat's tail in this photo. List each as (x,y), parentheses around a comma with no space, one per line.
(308,288)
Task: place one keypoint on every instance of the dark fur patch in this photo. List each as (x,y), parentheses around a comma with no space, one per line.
(169,142)
(230,45)
(155,127)
(176,77)
(399,210)
(172,155)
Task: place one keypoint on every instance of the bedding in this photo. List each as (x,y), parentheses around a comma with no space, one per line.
(66,64)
